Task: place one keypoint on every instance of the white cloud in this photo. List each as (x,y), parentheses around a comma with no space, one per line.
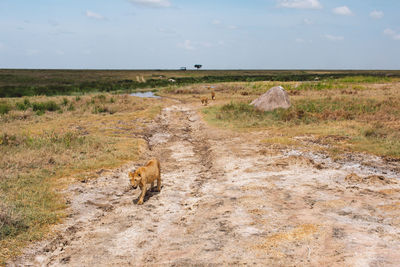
(342,10)
(216,22)
(394,35)
(376,14)
(301,4)
(187,45)
(220,24)
(333,37)
(152,3)
(93,15)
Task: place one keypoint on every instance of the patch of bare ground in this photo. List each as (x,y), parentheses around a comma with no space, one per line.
(229,199)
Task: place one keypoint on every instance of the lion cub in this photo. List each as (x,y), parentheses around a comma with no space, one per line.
(204,101)
(146,175)
(213,95)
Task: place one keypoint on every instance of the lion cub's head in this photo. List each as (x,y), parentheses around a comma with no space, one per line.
(135,178)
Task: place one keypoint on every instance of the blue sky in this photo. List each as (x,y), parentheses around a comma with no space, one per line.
(220,34)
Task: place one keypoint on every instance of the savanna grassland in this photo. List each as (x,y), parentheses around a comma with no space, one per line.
(49,142)
(63,127)
(349,114)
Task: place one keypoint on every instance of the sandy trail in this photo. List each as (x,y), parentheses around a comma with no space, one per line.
(227,199)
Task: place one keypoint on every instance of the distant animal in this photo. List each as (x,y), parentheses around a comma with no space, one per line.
(145,175)
(204,101)
(213,95)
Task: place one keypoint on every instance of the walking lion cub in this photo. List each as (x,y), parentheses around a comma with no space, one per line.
(145,175)
(204,101)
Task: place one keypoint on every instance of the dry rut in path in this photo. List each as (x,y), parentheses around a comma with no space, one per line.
(227,199)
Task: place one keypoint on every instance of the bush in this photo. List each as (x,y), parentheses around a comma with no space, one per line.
(23,105)
(101,109)
(65,101)
(4,108)
(71,107)
(41,107)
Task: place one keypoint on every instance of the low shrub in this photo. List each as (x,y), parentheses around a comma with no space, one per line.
(4,108)
(45,106)
(23,105)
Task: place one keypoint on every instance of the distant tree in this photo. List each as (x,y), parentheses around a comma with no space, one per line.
(197,66)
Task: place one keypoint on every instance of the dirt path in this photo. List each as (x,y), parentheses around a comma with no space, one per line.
(227,199)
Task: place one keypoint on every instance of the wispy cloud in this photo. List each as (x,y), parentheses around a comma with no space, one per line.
(333,37)
(391,33)
(187,45)
(220,24)
(300,4)
(152,3)
(216,22)
(342,10)
(376,14)
(93,15)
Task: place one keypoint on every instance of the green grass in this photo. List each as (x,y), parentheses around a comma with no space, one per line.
(18,83)
(364,79)
(302,111)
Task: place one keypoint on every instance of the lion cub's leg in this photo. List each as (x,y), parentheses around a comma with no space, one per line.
(140,201)
(159,183)
(152,186)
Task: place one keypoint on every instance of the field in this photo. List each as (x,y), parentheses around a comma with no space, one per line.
(17,83)
(240,186)
(47,142)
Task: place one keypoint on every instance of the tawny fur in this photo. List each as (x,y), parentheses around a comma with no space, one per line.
(146,175)
(204,101)
(213,95)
